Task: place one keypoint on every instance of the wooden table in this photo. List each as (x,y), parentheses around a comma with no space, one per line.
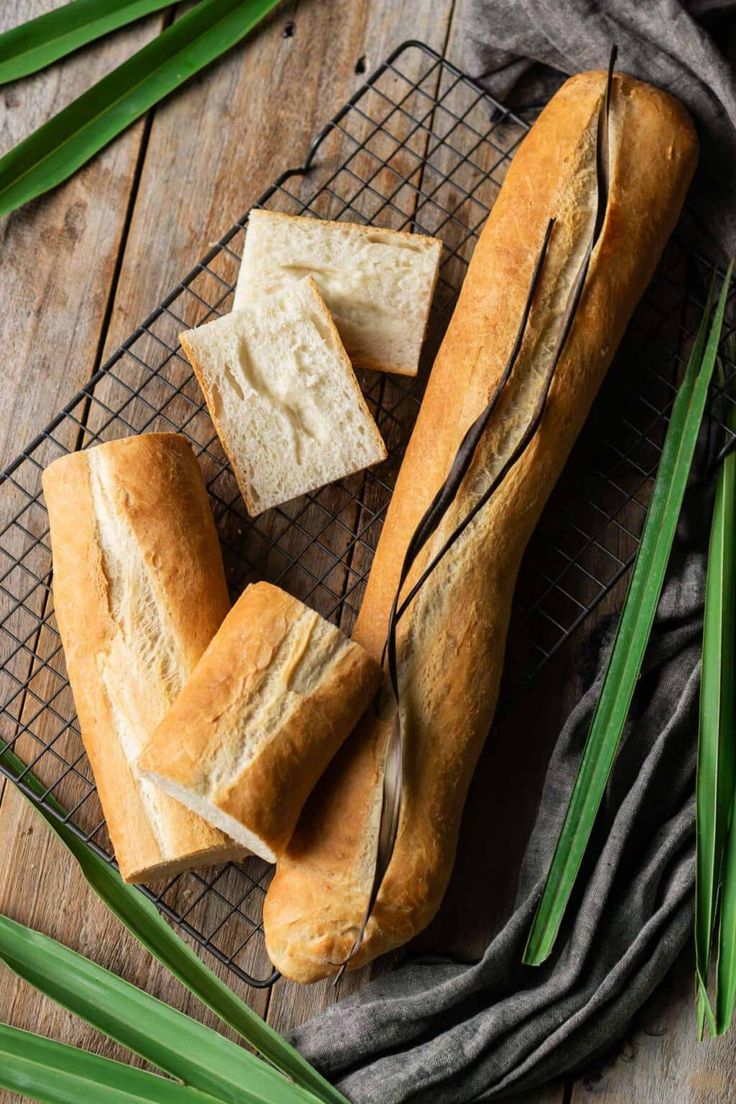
(78,270)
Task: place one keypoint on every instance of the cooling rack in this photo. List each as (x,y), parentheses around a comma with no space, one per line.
(420,146)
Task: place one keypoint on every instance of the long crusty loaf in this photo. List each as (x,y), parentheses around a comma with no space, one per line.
(269,703)
(451,643)
(139,592)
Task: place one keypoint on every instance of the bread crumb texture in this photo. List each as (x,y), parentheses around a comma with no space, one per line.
(283,396)
(377,283)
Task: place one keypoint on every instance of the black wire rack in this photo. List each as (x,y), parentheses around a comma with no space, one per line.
(420,146)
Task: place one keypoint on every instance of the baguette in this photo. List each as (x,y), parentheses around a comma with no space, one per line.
(268,705)
(139,592)
(451,642)
(378,283)
(283,396)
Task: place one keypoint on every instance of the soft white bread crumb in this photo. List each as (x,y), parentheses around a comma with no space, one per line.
(283,396)
(377,283)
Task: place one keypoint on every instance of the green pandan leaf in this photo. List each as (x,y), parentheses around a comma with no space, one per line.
(62,145)
(632,635)
(41,41)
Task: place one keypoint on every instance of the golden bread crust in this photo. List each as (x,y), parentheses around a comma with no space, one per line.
(151,492)
(452,641)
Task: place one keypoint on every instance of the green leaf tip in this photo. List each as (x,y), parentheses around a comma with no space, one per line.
(143,920)
(67,141)
(41,41)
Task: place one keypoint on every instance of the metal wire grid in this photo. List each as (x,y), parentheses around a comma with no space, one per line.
(588,538)
(421,147)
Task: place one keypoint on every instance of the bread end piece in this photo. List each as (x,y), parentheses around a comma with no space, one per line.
(269,704)
(134,549)
(217,855)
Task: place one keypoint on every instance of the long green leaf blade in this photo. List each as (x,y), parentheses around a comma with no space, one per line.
(57,149)
(169,1040)
(143,920)
(41,41)
(632,635)
(726,970)
(715,770)
(58,1074)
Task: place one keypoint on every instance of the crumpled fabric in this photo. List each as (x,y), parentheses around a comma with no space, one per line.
(443,1032)
(522,50)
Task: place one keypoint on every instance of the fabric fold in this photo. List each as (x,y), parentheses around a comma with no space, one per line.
(433,1031)
(522,50)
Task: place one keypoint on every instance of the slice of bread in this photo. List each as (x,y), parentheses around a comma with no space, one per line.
(283,396)
(273,698)
(377,283)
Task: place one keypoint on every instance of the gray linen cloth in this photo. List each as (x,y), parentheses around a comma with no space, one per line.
(433,1031)
(522,50)
(439,1031)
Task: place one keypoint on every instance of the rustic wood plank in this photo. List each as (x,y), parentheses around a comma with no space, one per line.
(58,253)
(43,888)
(216,146)
(660,1061)
(58,259)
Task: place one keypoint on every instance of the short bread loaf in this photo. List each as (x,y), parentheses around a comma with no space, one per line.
(139,592)
(451,642)
(268,705)
(283,396)
(377,283)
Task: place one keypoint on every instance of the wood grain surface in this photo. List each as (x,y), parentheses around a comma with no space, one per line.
(78,270)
